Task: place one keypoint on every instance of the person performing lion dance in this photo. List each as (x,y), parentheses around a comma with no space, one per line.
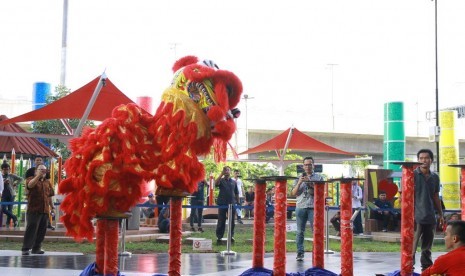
(109,163)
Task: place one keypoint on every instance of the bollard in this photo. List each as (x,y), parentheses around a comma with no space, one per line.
(327,251)
(228,243)
(123,240)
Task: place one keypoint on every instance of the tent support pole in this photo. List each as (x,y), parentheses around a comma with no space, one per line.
(89,107)
(281,159)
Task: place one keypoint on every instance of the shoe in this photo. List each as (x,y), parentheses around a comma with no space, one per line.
(200,230)
(338,234)
(51,227)
(218,241)
(384,230)
(25,253)
(360,234)
(240,221)
(300,257)
(233,240)
(192,229)
(40,251)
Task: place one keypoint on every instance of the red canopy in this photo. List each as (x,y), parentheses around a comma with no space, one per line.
(73,105)
(298,141)
(22,145)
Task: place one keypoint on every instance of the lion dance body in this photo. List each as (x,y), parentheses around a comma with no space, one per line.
(109,163)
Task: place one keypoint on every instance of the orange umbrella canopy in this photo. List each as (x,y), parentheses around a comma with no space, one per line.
(21,145)
(298,141)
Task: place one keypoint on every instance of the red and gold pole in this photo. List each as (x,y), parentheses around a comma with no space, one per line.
(280,214)
(111,247)
(318,224)
(347,262)
(100,246)
(175,236)
(259,233)
(408,217)
(462,188)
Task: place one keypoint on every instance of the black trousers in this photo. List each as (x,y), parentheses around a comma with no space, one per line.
(221,224)
(424,233)
(8,211)
(196,213)
(358,227)
(35,231)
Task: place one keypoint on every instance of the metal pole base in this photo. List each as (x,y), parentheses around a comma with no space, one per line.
(125,254)
(228,253)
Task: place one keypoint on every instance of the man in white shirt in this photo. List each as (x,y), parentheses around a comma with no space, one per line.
(240,187)
(357,197)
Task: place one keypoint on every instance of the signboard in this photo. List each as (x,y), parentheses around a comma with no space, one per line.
(202,245)
(291,227)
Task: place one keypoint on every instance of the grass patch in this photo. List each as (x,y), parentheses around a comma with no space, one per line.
(243,244)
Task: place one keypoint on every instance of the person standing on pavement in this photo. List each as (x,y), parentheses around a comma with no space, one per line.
(249,201)
(197,200)
(303,189)
(426,201)
(229,194)
(9,192)
(38,210)
(357,197)
(240,188)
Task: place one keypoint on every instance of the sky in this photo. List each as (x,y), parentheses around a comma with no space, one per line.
(383,51)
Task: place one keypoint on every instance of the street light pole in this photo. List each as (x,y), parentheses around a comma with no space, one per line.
(246,98)
(332,91)
(437,85)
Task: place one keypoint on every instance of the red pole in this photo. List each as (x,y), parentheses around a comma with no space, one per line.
(347,264)
(111,246)
(100,246)
(259,224)
(175,236)
(60,168)
(408,217)
(279,265)
(212,188)
(318,224)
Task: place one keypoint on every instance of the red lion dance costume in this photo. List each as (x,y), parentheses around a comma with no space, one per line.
(109,163)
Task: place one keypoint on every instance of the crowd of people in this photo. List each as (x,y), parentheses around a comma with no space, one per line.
(428,209)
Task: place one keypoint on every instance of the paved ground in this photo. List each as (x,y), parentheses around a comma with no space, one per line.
(69,264)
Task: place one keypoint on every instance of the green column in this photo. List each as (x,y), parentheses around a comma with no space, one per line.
(394,135)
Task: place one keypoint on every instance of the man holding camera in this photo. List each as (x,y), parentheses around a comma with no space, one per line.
(303,189)
(229,194)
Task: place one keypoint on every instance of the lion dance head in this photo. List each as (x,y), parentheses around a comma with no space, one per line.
(109,163)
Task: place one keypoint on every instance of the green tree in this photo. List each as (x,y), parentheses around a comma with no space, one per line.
(357,167)
(56,126)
